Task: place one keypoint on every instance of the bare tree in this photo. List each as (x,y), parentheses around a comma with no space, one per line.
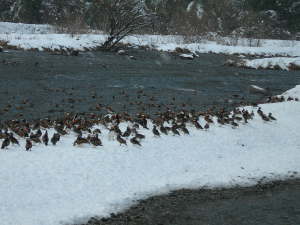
(121,18)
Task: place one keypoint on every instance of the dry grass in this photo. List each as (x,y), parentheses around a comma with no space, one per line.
(5,44)
(293,66)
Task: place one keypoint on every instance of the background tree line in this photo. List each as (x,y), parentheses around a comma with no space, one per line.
(257,18)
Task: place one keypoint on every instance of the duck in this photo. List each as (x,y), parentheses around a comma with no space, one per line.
(155,131)
(3,135)
(134,141)
(39,133)
(174,130)
(264,117)
(208,119)
(163,130)
(97,131)
(140,136)
(206,126)
(55,138)
(45,138)
(28,145)
(234,124)
(5,143)
(221,121)
(143,122)
(121,140)
(184,129)
(77,130)
(60,130)
(197,125)
(80,140)
(34,137)
(271,116)
(95,140)
(117,130)
(237,118)
(246,116)
(13,140)
(259,111)
(127,132)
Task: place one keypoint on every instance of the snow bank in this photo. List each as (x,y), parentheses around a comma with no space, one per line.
(295,92)
(28,36)
(267,48)
(282,63)
(21,28)
(58,184)
(53,41)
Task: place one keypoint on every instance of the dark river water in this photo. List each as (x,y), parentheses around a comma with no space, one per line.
(37,84)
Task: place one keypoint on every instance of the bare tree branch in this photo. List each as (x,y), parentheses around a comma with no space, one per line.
(121,18)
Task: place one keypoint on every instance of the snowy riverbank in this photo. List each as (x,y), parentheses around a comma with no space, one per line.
(279,63)
(57,184)
(41,37)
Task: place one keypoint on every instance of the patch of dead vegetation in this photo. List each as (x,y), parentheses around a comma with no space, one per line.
(5,45)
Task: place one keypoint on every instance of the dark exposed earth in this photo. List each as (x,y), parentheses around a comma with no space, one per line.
(275,203)
(37,85)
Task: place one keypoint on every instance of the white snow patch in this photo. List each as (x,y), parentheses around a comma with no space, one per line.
(61,184)
(22,28)
(171,42)
(186,56)
(282,63)
(257,89)
(294,92)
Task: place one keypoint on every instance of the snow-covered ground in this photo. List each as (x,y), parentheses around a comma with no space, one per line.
(61,184)
(28,36)
(21,28)
(282,63)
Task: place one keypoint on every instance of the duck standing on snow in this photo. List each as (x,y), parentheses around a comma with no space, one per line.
(197,125)
(12,139)
(95,140)
(206,126)
(45,138)
(127,132)
(55,138)
(174,130)
(135,141)
(271,116)
(5,143)
(28,145)
(121,140)
(80,140)
(155,131)
(163,130)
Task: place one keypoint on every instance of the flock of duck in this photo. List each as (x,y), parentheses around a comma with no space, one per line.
(83,125)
